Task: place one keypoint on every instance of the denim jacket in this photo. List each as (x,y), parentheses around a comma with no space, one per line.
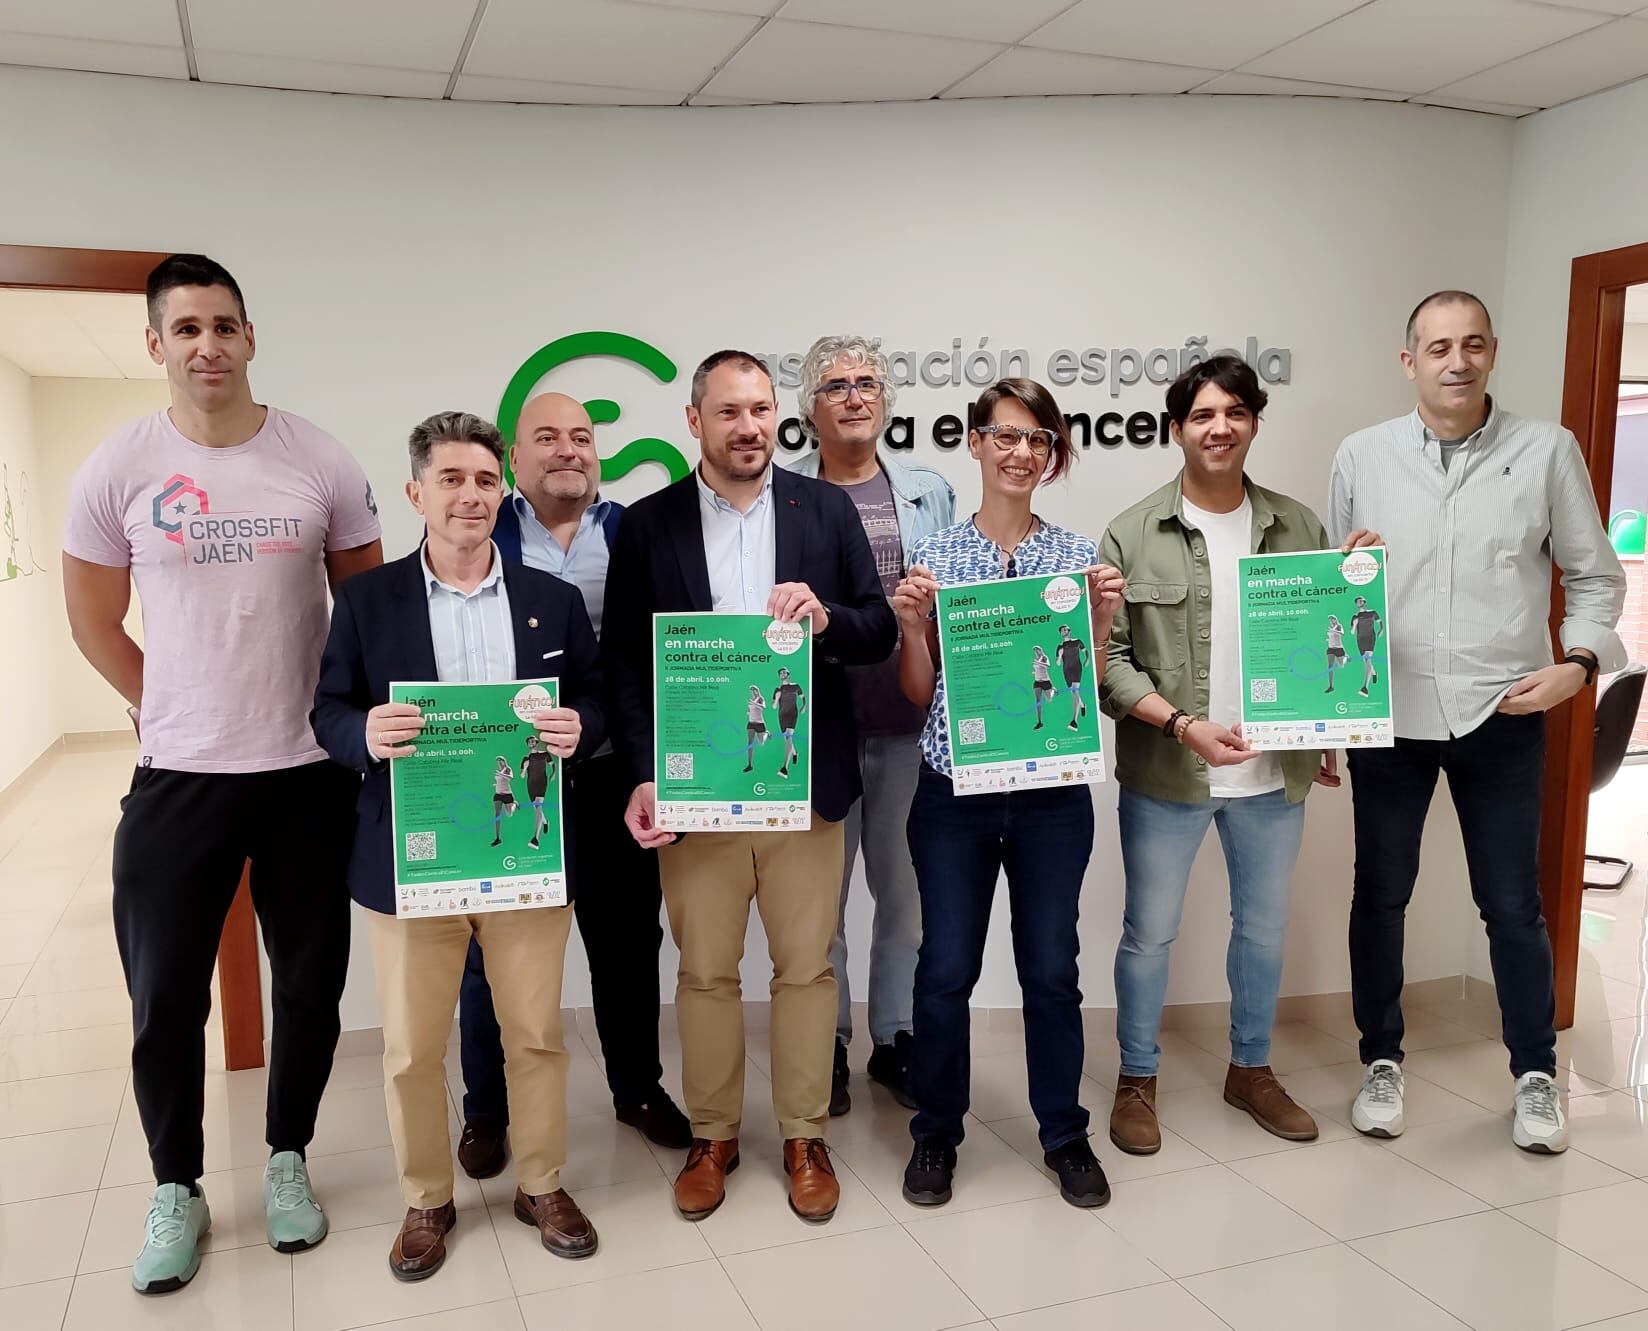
(924,500)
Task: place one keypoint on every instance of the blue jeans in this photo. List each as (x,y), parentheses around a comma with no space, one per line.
(1260,835)
(1495,776)
(1043,839)
(890,764)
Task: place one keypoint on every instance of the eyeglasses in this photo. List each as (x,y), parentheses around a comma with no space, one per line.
(1006,438)
(839,390)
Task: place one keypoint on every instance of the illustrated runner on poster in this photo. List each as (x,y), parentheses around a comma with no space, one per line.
(1072,653)
(1336,649)
(755,730)
(503,797)
(1368,627)
(791,701)
(535,767)
(1041,683)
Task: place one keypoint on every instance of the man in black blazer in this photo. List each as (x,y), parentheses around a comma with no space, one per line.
(452,611)
(740,534)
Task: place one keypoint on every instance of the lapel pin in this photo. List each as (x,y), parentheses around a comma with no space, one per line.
(532,621)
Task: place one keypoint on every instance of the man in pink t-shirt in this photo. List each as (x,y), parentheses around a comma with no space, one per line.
(231,518)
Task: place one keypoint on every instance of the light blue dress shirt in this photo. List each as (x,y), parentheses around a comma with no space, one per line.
(740,549)
(583,563)
(473,634)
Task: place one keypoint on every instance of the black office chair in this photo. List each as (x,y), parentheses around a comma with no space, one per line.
(1616,715)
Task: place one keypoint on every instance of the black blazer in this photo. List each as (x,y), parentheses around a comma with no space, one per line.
(380,632)
(658,566)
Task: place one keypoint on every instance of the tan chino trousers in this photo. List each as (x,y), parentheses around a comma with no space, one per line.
(794,879)
(419,966)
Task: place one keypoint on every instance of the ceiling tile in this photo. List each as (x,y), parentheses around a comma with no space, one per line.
(1249,85)
(399,34)
(1465,104)
(1025,73)
(1606,6)
(814,62)
(605,42)
(146,22)
(1418,45)
(979,20)
(317,75)
(41,340)
(479,88)
(704,99)
(164,62)
(114,321)
(1636,304)
(1600,58)
(755,8)
(1211,33)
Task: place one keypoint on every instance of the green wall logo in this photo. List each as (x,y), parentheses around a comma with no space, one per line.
(603,411)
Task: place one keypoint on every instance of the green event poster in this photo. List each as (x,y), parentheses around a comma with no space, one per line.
(732,702)
(1315,650)
(1018,683)
(477,808)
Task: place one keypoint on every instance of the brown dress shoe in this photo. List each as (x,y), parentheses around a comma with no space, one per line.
(814,1190)
(701,1186)
(565,1229)
(420,1247)
(483,1150)
(1133,1125)
(1258,1092)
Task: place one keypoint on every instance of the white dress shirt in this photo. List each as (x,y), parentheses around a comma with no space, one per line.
(473,634)
(740,549)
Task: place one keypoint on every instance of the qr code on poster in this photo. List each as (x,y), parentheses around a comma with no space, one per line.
(972,730)
(1262,690)
(420,846)
(678,766)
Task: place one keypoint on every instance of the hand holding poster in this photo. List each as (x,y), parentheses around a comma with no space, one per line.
(466,841)
(1018,683)
(732,730)
(1315,654)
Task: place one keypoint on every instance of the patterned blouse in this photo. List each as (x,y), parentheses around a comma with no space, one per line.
(961,554)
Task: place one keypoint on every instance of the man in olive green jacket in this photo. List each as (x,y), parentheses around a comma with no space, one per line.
(1173,682)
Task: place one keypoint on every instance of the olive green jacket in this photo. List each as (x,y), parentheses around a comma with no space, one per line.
(1161,642)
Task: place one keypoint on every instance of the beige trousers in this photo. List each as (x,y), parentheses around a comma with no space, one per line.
(419,966)
(794,878)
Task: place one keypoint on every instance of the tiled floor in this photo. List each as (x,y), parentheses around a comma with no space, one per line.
(1226,1228)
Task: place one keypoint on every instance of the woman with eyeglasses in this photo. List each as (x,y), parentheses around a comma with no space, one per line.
(1041,836)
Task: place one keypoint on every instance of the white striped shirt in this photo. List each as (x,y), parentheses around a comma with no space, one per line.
(1470,553)
(474,637)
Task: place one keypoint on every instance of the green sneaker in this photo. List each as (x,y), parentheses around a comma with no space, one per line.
(294,1218)
(171,1237)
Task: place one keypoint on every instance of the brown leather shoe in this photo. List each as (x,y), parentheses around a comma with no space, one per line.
(483,1150)
(420,1247)
(1258,1092)
(701,1186)
(814,1190)
(565,1229)
(1133,1125)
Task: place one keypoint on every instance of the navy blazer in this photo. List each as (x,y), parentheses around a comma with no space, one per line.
(380,632)
(658,566)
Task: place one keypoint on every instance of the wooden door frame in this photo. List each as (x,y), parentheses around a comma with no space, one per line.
(1590,403)
(45,268)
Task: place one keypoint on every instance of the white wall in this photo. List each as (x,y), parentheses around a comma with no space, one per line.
(29,615)
(403,257)
(1633,354)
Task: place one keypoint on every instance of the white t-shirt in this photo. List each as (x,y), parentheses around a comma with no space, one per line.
(1229,537)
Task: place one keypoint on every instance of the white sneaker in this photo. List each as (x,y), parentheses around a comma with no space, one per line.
(1378,1108)
(1537,1122)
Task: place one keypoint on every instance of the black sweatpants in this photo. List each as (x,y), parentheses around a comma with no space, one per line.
(182,842)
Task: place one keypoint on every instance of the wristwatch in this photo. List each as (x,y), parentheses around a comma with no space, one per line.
(1586,663)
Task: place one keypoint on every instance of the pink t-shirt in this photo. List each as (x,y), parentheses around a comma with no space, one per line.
(227,548)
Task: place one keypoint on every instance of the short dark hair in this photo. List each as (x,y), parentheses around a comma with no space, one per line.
(742,359)
(187,270)
(1230,373)
(452,427)
(1039,403)
(1444,298)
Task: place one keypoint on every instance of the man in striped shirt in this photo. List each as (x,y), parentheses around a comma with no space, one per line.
(1475,505)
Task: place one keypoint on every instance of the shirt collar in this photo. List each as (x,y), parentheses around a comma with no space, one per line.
(524,510)
(432,584)
(1424,437)
(720,505)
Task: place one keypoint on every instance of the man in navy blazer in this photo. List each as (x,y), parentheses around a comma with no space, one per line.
(740,534)
(454,610)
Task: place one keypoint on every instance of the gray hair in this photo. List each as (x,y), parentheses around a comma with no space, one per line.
(853,349)
(452,427)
